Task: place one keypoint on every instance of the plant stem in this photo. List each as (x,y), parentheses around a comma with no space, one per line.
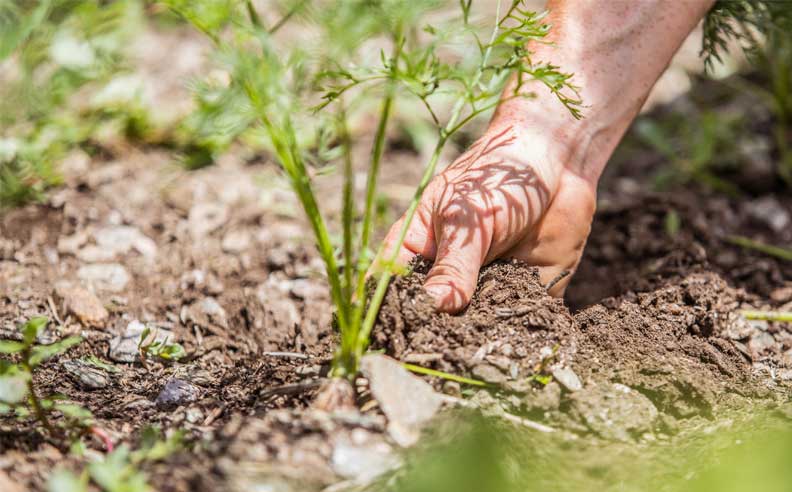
(373,174)
(38,410)
(348,206)
(291,160)
(444,133)
(443,375)
(783,316)
(41,415)
(283,20)
(384,280)
(768,249)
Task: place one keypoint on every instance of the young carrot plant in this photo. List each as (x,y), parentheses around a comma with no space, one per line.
(303,90)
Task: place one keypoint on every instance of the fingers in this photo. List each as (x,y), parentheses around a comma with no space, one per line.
(460,252)
(418,240)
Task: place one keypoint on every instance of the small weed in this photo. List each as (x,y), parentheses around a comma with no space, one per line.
(443,375)
(149,346)
(119,471)
(17,389)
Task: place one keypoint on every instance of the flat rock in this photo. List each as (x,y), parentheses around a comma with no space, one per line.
(205,218)
(567,378)
(489,374)
(124,347)
(206,312)
(110,277)
(122,239)
(236,241)
(177,392)
(407,401)
(770,211)
(759,342)
(363,457)
(83,304)
(614,411)
(85,375)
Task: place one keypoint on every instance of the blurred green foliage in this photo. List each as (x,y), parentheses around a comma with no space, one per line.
(736,453)
(49,51)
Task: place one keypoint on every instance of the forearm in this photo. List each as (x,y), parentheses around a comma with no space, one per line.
(616,49)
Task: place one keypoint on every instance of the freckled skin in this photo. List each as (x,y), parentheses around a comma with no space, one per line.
(527,188)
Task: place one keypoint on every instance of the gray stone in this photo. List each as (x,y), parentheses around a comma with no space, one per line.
(236,241)
(124,347)
(567,378)
(307,289)
(363,458)
(760,342)
(117,240)
(122,239)
(489,374)
(768,210)
(206,217)
(786,358)
(406,400)
(177,392)
(110,277)
(614,411)
(548,398)
(206,312)
(85,375)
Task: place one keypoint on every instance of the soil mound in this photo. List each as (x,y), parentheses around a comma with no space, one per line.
(670,348)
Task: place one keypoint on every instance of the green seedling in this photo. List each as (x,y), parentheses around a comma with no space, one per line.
(443,375)
(17,389)
(779,252)
(119,471)
(162,350)
(302,102)
(782,316)
(540,375)
(672,223)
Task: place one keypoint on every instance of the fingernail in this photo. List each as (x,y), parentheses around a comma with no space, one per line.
(442,296)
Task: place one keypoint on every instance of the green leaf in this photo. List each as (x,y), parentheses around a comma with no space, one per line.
(154,448)
(11,347)
(13,387)
(73,411)
(117,473)
(40,353)
(33,328)
(96,361)
(172,351)
(672,223)
(66,481)
(11,36)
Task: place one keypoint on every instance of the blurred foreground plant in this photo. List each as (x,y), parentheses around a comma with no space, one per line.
(119,471)
(18,392)
(303,89)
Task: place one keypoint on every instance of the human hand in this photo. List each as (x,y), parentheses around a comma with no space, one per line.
(509,196)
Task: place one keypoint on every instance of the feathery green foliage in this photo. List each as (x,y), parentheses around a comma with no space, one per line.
(49,50)
(764,29)
(301,92)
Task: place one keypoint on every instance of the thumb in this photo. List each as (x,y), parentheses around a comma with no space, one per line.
(453,278)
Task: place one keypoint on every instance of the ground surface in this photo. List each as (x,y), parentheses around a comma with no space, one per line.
(649,344)
(656,339)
